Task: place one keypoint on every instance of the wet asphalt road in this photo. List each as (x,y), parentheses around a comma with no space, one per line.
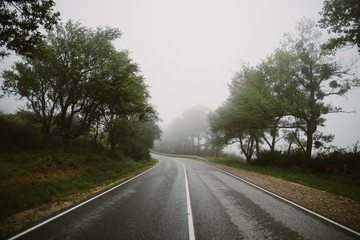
(154,206)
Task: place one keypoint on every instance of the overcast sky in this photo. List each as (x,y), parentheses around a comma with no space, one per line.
(188,50)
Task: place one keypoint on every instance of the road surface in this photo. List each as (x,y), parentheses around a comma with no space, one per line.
(186,199)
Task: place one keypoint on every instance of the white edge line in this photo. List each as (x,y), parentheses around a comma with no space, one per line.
(77,206)
(288,201)
(189,211)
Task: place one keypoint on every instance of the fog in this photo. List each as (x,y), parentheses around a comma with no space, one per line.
(188,50)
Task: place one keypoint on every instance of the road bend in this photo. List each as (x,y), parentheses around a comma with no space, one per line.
(186,199)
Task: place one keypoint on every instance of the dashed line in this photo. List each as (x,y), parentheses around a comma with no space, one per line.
(189,211)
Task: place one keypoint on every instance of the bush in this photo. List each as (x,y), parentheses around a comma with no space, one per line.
(338,162)
(135,150)
(18,133)
(281,159)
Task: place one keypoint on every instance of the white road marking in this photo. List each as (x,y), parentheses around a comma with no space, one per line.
(290,202)
(286,200)
(77,206)
(189,211)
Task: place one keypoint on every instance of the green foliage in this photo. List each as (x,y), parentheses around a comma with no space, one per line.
(342,18)
(21,22)
(286,91)
(134,138)
(337,162)
(313,68)
(79,54)
(83,84)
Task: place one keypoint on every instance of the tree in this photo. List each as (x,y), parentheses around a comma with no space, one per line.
(83,84)
(318,76)
(285,91)
(342,18)
(32,80)
(256,104)
(123,96)
(136,137)
(241,117)
(281,85)
(21,23)
(63,86)
(78,55)
(196,126)
(186,134)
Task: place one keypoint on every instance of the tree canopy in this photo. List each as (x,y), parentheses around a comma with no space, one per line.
(83,84)
(342,17)
(285,91)
(21,23)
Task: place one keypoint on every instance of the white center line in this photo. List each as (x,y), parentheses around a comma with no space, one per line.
(189,211)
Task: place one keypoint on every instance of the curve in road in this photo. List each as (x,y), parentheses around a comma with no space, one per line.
(163,202)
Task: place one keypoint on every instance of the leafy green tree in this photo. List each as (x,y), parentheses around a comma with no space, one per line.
(33,81)
(234,120)
(342,18)
(62,85)
(84,83)
(136,137)
(255,107)
(280,84)
(285,91)
(21,23)
(78,54)
(124,95)
(318,76)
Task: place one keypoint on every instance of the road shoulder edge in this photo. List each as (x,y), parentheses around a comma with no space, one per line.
(67,206)
(302,205)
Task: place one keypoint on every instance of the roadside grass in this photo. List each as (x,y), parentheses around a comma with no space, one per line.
(29,179)
(339,185)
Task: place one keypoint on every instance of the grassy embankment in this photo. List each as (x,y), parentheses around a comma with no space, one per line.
(339,185)
(29,179)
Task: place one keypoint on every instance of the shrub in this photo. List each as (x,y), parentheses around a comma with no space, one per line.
(18,133)
(338,162)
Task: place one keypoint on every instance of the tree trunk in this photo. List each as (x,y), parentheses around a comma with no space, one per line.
(309,140)
(247,150)
(311,123)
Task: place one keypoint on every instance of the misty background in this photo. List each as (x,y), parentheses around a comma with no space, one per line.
(189,50)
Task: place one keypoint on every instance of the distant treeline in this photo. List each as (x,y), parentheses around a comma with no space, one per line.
(80,87)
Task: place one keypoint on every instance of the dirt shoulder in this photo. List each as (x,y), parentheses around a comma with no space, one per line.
(334,207)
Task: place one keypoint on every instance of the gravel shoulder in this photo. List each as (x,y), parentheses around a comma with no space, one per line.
(334,207)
